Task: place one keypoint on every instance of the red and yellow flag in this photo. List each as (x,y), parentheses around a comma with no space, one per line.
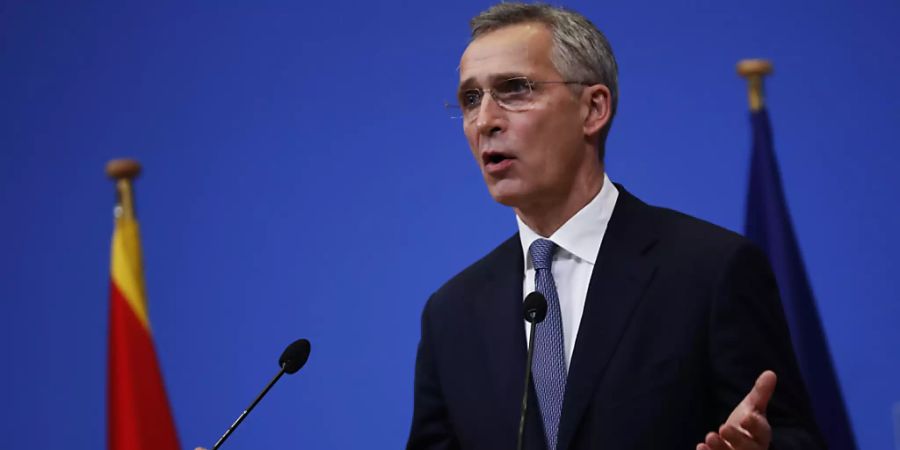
(138,411)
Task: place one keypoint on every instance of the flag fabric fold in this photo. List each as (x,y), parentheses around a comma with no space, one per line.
(769,225)
(138,414)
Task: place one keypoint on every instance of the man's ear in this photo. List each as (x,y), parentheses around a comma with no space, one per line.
(598,109)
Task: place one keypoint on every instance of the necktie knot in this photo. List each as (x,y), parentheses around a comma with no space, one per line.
(541,252)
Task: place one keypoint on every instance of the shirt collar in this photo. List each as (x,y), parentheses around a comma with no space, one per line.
(582,234)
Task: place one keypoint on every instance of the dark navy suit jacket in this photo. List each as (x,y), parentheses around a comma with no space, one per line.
(681,317)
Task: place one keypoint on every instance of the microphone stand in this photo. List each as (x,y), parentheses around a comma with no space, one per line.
(519,441)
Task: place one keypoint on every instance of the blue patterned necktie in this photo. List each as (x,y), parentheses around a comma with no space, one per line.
(549,364)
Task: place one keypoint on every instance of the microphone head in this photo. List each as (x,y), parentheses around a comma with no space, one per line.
(535,307)
(295,356)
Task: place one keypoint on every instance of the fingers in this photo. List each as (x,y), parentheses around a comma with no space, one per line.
(758,397)
(754,433)
(758,426)
(714,442)
(736,437)
(747,426)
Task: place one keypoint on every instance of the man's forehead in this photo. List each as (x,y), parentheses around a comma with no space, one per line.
(516,49)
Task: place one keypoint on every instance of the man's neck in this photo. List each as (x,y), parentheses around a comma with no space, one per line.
(545,217)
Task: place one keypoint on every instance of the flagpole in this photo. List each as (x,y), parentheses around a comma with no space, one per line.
(124,171)
(754,70)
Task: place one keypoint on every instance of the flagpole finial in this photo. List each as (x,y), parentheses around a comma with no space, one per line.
(754,70)
(123,169)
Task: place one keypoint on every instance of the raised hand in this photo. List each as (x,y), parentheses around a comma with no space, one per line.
(747,427)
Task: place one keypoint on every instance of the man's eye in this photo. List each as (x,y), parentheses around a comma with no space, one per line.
(513,86)
(470,99)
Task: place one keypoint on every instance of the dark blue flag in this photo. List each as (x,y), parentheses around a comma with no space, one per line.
(769,226)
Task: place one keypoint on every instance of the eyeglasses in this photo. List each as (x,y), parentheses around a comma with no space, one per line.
(513,94)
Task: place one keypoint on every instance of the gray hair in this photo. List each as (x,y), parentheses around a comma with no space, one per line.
(580,51)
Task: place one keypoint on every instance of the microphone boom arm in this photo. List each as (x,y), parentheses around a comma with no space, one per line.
(249,408)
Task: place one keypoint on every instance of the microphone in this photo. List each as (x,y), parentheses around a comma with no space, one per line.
(535,311)
(535,308)
(291,360)
(295,356)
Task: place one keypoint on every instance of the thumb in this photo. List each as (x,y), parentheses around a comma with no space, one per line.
(759,396)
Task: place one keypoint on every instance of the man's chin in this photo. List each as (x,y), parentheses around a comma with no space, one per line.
(506,197)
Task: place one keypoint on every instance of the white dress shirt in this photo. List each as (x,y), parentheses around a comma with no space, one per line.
(578,242)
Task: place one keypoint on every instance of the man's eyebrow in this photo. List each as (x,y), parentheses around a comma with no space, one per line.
(470,82)
(465,84)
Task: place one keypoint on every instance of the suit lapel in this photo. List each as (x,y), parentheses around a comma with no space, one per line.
(499,317)
(620,276)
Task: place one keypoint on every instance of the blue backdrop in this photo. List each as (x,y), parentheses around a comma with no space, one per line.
(303,180)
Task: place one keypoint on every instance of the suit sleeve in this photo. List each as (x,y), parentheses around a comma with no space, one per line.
(748,334)
(431,427)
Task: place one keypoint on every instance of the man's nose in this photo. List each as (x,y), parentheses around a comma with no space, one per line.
(491,116)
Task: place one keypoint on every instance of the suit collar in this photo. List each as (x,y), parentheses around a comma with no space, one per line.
(583,233)
(621,273)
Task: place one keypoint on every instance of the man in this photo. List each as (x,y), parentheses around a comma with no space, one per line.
(662,331)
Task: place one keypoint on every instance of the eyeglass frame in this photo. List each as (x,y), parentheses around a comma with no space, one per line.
(500,100)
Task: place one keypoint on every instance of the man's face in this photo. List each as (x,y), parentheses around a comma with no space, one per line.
(534,156)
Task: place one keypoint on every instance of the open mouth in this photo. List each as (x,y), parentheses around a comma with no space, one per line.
(492,157)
